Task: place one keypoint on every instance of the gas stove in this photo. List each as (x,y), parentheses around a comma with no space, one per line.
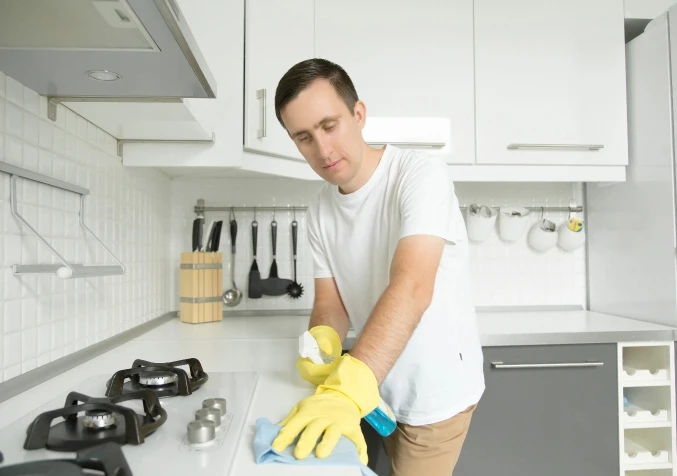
(166,420)
(105,459)
(166,379)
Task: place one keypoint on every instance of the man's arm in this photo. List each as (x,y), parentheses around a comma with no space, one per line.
(402,304)
(328,308)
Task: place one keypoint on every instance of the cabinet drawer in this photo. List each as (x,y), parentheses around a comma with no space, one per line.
(546,410)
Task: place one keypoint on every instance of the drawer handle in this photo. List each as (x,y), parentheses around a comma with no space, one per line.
(557,146)
(556,365)
(411,145)
(261,95)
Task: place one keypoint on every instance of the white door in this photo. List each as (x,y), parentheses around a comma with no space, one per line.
(407,60)
(550,82)
(278,35)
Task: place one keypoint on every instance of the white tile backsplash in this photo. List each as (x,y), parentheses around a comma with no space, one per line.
(146,220)
(43,318)
(503,274)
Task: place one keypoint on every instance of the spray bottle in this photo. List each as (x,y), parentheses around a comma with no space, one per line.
(381,418)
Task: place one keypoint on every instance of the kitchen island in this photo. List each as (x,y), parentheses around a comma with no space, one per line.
(268,345)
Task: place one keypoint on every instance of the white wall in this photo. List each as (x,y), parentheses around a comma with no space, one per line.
(646,8)
(44,318)
(503,273)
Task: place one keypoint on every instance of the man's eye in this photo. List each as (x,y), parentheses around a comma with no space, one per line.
(304,139)
(330,127)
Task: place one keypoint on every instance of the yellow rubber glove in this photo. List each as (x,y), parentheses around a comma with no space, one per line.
(329,341)
(348,394)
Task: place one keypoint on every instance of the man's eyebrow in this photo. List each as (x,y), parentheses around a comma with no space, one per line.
(324,120)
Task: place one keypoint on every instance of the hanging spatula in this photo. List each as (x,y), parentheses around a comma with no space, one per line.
(274,285)
(255,288)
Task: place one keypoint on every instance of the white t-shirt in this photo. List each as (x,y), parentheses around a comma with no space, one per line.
(353,239)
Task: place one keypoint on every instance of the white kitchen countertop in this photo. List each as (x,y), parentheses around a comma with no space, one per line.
(269,346)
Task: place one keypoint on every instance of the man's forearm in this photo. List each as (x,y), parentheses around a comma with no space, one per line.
(390,325)
(329,317)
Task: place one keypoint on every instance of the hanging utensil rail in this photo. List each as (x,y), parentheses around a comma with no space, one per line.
(65,270)
(200,208)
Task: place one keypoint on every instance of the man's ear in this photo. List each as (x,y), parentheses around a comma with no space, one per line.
(360,113)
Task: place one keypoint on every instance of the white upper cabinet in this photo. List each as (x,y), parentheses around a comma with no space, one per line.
(279,34)
(550,82)
(408,61)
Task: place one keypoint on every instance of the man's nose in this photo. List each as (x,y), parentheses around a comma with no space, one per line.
(324,147)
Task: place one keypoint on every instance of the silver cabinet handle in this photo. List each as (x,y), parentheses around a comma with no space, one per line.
(556,365)
(261,95)
(557,146)
(412,145)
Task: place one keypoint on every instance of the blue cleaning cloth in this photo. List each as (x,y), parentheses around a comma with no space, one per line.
(344,454)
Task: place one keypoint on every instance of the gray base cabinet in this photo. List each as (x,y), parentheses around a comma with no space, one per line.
(555,419)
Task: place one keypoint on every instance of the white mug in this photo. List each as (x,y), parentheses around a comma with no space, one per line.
(481,222)
(512,222)
(543,235)
(568,239)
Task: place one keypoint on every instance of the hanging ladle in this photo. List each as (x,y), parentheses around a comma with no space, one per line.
(232,296)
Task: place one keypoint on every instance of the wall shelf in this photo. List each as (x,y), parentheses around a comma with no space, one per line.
(65,270)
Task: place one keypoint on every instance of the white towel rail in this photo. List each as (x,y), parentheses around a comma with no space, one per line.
(65,270)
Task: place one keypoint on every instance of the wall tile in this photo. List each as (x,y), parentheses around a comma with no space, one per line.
(31,128)
(31,101)
(2,115)
(30,157)
(45,134)
(13,150)
(12,316)
(502,273)
(128,208)
(12,347)
(14,120)
(14,91)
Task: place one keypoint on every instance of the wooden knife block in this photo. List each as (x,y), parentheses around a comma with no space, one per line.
(201,287)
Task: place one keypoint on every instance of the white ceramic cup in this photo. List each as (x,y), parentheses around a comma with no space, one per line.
(512,222)
(570,240)
(481,221)
(543,235)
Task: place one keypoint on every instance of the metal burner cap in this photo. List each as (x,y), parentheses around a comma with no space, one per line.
(98,419)
(156,379)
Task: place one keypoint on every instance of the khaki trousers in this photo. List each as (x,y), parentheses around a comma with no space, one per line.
(430,450)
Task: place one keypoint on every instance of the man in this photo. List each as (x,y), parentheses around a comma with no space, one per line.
(390,254)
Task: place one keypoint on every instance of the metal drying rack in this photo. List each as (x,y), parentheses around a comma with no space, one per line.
(200,208)
(65,270)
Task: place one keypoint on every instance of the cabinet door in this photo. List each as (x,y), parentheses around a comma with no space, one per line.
(278,35)
(560,420)
(407,60)
(550,82)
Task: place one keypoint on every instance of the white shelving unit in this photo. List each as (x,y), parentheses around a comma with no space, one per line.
(646,400)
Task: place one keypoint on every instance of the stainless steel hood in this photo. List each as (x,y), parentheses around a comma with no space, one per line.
(138,49)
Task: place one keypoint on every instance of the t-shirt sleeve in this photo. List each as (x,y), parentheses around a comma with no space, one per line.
(428,202)
(320,263)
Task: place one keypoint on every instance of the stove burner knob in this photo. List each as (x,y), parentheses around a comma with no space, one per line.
(209,414)
(201,431)
(215,403)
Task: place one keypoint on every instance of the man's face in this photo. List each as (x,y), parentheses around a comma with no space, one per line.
(326,133)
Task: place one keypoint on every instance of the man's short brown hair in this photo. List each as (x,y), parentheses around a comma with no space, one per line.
(303,74)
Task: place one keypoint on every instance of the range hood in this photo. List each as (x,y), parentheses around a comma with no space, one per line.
(102,50)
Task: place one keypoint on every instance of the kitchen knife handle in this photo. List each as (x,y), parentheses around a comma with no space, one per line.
(255,234)
(196,224)
(200,233)
(294,235)
(273,230)
(233,235)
